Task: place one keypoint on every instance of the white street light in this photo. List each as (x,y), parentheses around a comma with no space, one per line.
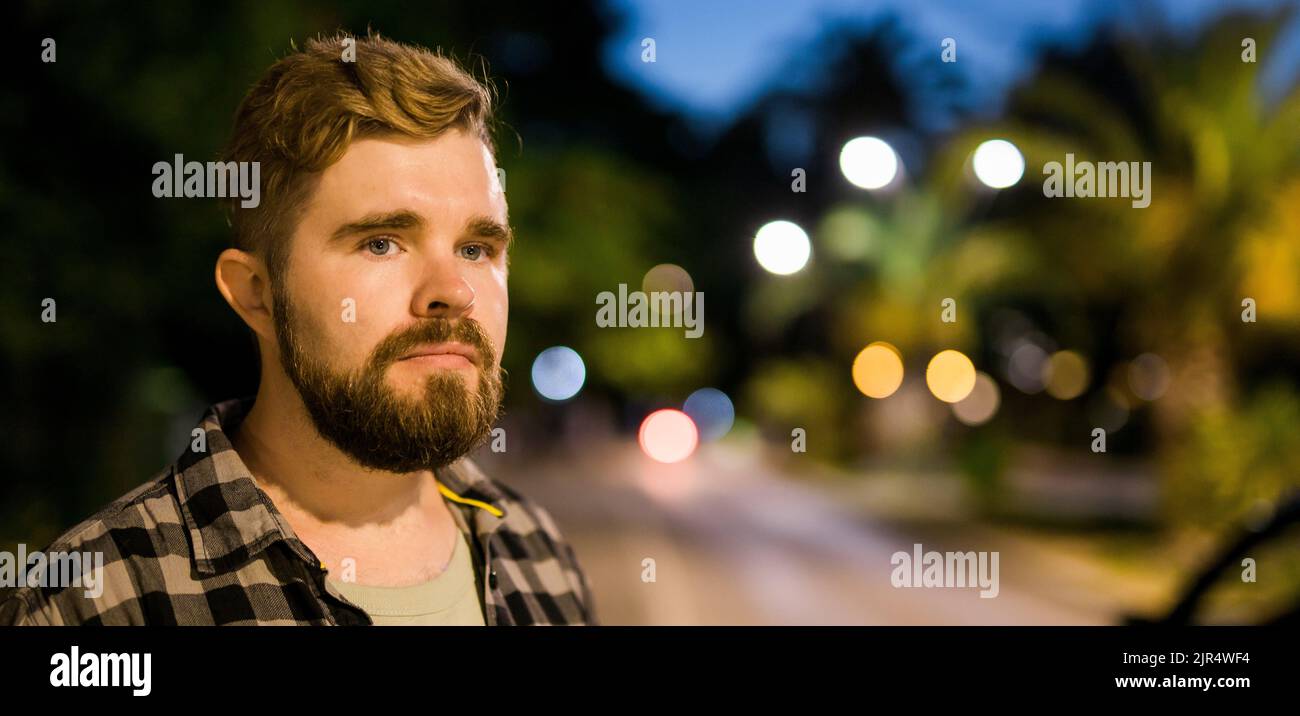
(869,162)
(998,163)
(781,247)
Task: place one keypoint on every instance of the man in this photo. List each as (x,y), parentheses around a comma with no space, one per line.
(373,276)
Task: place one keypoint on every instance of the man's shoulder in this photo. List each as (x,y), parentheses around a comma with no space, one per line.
(527,518)
(532,534)
(149,505)
(144,520)
(525,514)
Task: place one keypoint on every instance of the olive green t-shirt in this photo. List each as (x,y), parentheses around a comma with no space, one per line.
(449,599)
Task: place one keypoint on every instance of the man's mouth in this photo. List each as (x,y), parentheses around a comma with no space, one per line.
(449,355)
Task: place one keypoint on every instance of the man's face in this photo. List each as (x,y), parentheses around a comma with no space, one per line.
(391,312)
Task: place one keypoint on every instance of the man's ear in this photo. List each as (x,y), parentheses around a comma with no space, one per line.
(243,282)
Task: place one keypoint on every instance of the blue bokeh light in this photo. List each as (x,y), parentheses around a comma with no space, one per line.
(712,411)
(558,373)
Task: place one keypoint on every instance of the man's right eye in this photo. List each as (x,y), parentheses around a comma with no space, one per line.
(380,247)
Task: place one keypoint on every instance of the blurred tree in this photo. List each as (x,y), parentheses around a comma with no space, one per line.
(1171,278)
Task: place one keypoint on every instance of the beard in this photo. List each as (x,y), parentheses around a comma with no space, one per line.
(363,416)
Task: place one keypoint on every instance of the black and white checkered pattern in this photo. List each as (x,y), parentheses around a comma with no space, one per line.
(202,544)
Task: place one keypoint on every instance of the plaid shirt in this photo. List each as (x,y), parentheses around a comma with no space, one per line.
(202,544)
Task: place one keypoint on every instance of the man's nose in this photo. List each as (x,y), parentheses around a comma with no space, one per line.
(443,292)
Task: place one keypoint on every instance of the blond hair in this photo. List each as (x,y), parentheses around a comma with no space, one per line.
(308,107)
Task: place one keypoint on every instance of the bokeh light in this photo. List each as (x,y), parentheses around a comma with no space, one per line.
(781,247)
(712,412)
(950,376)
(668,435)
(667,277)
(558,373)
(1066,375)
(1148,376)
(998,164)
(982,403)
(868,162)
(1025,367)
(849,233)
(878,370)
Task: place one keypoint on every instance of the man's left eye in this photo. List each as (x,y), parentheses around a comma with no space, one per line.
(474,252)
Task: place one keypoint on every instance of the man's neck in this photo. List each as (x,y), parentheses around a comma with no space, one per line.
(389,529)
(312,481)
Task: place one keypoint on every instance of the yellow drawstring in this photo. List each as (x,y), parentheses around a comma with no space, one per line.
(466,501)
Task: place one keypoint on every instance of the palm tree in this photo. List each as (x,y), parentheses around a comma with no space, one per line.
(1220,228)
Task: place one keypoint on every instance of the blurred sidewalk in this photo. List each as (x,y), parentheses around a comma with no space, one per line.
(737,543)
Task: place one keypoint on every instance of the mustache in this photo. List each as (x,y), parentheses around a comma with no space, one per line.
(435,330)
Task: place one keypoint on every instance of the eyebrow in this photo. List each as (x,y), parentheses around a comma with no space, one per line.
(400,219)
(480,226)
(489,228)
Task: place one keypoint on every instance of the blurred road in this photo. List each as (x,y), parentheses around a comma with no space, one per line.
(733,543)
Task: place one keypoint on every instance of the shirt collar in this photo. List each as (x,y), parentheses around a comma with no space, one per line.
(230,519)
